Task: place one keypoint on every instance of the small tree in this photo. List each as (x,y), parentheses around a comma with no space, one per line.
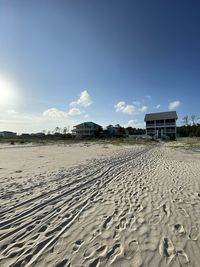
(65,130)
(57,130)
(186,120)
(193,118)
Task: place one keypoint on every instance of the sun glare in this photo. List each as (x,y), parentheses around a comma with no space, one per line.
(6,92)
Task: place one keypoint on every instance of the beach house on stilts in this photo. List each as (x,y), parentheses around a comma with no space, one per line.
(161,125)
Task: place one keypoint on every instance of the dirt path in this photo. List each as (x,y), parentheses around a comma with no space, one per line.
(139,207)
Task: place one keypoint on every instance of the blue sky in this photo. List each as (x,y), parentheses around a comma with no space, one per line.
(64,62)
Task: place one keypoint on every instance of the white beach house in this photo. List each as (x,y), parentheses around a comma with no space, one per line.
(162,124)
(86,129)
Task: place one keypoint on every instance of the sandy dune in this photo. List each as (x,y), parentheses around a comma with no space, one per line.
(99,206)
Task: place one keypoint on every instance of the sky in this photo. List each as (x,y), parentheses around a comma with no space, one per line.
(108,61)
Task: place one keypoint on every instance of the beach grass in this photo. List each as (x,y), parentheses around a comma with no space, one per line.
(105,141)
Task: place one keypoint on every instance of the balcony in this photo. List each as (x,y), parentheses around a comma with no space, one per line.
(160,124)
(150,125)
(170,124)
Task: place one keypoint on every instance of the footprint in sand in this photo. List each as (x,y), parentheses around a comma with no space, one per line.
(122,223)
(166,249)
(194,233)
(155,219)
(77,245)
(179,229)
(107,222)
(132,249)
(91,250)
(88,253)
(101,249)
(166,210)
(183,212)
(116,234)
(113,253)
(182,257)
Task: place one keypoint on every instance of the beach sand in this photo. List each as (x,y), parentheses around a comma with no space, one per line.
(99,205)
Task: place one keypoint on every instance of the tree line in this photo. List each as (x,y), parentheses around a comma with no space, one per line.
(107,132)
(190,127)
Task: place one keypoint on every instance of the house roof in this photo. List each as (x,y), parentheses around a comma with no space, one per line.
(88,124)
(161,116)
(7,132)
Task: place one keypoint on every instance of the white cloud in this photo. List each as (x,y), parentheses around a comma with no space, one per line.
(135,124)
(36,122)
(32,122)
(11,111)
(130,109)
(143,109)
(120,106)
(55,113)
(21,122)
(74,112)
(174,104)
(157,106)
(84,100)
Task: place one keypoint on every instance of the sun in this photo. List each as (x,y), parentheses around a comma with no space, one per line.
(6,92)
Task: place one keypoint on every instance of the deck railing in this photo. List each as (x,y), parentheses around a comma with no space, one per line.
(170,123)
(151,125)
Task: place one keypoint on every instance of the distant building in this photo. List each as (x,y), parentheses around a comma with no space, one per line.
(86,129)
(161,125)
(38,134)
(29,135)
(112,131)
(25,135)
(7,134)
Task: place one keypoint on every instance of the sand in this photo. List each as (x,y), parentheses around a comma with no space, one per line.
(97,205)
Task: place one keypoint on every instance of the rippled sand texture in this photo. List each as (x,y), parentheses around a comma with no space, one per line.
(138,207)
